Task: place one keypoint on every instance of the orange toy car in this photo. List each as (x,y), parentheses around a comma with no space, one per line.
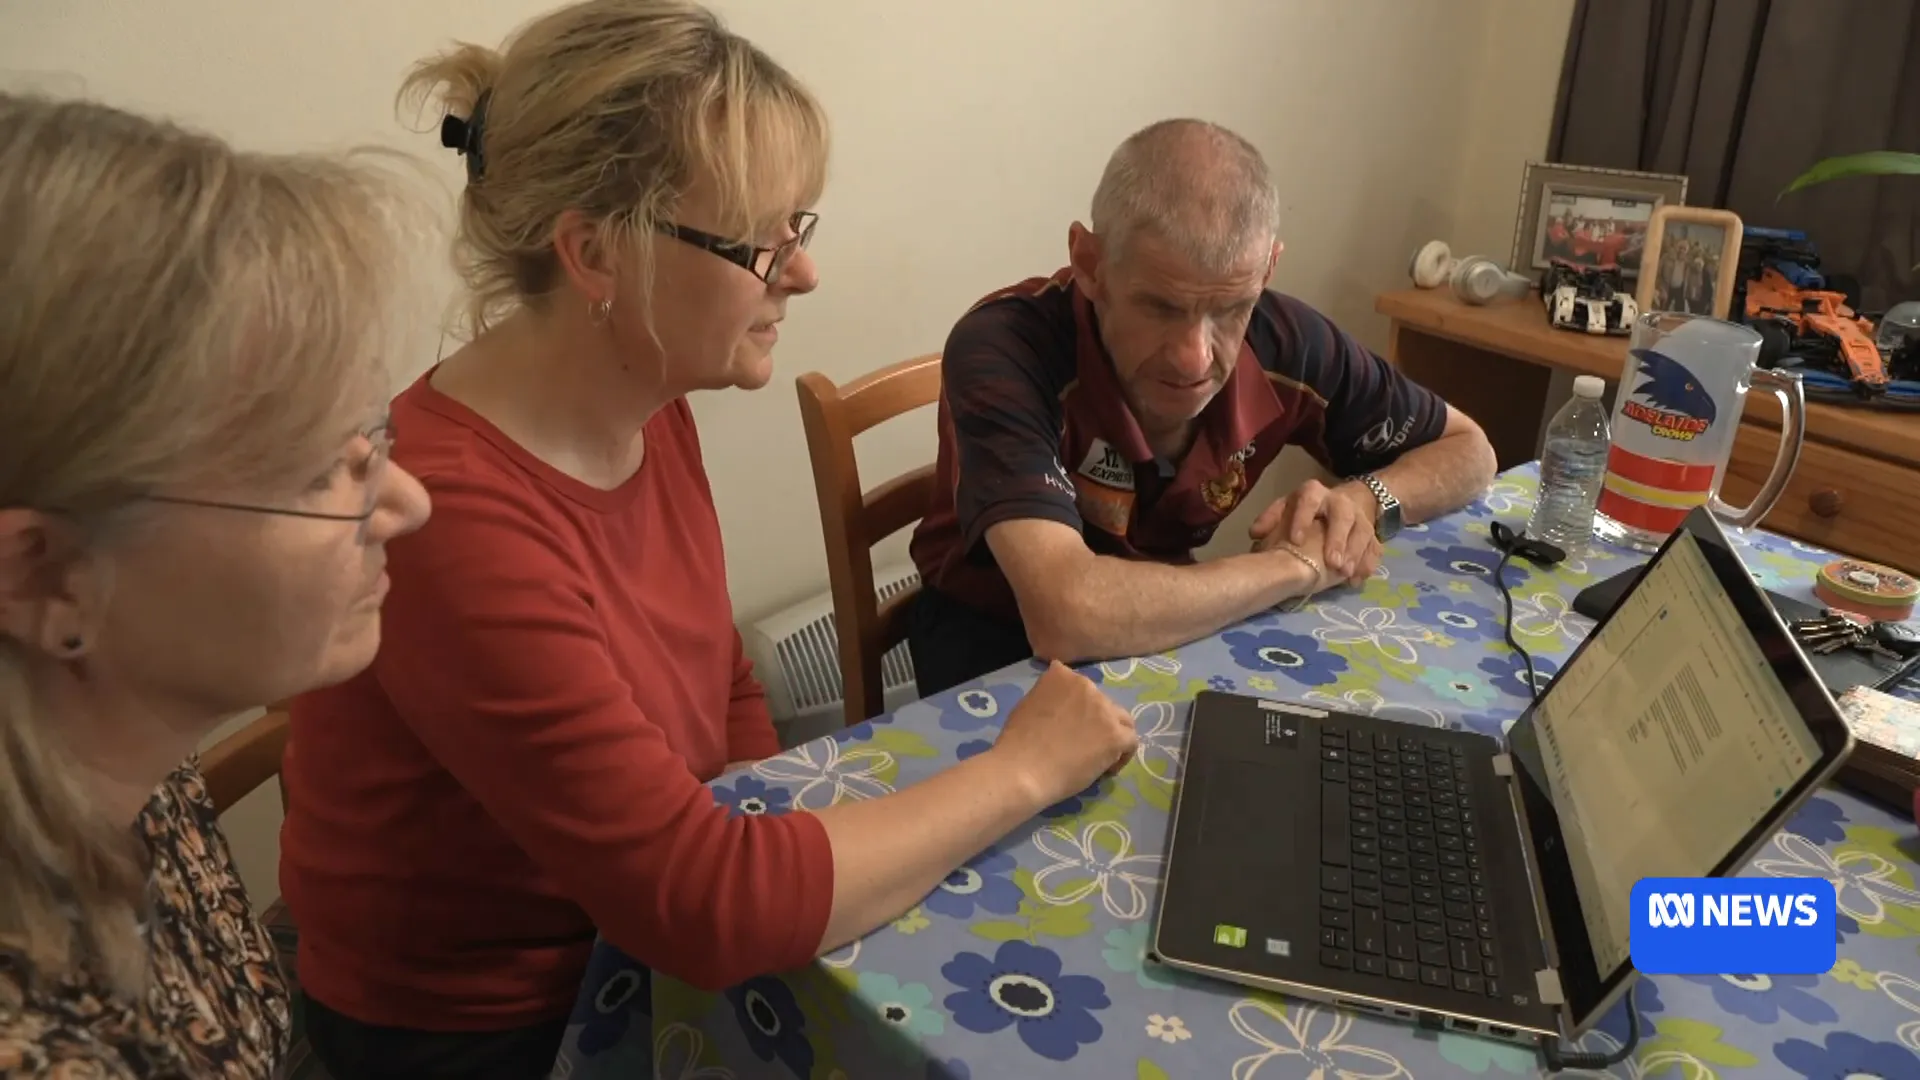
(1816,324)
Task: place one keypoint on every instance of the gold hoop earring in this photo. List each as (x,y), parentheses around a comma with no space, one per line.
(599,313)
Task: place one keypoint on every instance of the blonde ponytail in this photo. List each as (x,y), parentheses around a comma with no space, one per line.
(612,108)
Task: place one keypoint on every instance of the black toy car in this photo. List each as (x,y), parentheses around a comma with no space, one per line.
(1587,299)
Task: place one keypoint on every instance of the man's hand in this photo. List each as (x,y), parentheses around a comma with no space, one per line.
(1348,512)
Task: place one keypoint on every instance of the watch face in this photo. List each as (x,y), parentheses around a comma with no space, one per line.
(1388,524)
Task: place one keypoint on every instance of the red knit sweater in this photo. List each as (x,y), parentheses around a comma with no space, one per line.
(559,675)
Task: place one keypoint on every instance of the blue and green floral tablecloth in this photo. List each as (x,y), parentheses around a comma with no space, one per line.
(1028,962)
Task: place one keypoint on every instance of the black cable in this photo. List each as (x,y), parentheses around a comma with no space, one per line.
(1506,595)
(1513,542)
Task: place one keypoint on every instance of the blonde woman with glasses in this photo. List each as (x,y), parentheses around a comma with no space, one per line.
(560,675)
(194,495)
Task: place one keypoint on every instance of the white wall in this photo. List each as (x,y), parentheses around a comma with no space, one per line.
(968,136)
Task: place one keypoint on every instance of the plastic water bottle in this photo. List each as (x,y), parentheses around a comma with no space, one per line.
(1572,468)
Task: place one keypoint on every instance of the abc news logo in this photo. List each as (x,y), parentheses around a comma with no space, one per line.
(1717,925)
(1679,910)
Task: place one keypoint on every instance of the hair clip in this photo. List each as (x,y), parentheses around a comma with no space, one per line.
(464,134)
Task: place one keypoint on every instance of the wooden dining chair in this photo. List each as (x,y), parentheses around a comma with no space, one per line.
(234,768)
(854,519)
(246,759)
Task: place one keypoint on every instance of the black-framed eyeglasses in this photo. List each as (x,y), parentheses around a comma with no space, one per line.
(765,263)
(367,472)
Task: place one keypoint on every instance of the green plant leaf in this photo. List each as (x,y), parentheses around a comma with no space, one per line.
(1870,163)
(1147,1070)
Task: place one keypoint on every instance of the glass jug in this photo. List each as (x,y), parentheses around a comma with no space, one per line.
(1676,414)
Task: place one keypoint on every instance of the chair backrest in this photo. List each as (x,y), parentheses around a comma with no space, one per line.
(244,760)
(854,519)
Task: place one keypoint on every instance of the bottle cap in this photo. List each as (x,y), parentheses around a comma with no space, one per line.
(1589,386)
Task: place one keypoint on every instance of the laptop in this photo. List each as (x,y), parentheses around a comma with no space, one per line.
(1437,877)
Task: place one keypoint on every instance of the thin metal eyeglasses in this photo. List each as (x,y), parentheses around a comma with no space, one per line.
(370,469)
(765,263)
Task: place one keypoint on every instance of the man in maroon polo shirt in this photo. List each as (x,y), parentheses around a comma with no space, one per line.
(1097,425)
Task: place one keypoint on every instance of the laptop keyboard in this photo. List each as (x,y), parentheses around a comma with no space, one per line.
(1401,888)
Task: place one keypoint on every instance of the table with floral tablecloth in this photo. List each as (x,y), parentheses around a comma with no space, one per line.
(1029,961)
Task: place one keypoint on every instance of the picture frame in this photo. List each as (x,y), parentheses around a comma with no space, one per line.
(1587,215)
(1691,260)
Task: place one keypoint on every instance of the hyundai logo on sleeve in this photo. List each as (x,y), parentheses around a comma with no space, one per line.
(1733,926)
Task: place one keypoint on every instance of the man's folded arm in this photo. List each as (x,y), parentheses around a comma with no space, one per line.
(1080,606)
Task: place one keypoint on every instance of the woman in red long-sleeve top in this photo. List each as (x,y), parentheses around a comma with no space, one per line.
(559,672)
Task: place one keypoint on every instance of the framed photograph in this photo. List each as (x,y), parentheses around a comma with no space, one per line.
(1589,217)
(1691,259)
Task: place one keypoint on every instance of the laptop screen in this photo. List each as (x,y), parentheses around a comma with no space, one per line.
(1676,739)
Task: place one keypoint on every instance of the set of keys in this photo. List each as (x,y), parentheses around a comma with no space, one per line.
(1836,630)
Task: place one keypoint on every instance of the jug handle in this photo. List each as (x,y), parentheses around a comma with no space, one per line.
(1790,391)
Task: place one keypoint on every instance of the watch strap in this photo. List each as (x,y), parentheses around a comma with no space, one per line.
(1389,520)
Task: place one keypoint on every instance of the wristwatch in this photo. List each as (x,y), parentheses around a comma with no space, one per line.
(1387,525)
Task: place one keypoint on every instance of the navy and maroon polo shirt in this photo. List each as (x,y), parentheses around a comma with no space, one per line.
(1033,425)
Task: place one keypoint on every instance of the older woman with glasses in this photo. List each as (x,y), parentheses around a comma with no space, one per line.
(194,498)
(560,675)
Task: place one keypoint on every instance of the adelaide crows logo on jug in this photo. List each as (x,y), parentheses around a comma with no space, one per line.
(1671,401)
(1655,472)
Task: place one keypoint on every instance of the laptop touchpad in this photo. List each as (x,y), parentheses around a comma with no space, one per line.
(1246,822)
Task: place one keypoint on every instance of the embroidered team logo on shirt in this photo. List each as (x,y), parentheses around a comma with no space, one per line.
(1224,492)
(1106,496)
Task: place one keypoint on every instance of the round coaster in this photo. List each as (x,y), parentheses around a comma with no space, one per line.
(1877,592)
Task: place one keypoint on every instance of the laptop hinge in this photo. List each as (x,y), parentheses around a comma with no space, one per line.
(1547,981)
(1502,765)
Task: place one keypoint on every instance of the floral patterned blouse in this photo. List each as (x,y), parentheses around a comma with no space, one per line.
(216,1005)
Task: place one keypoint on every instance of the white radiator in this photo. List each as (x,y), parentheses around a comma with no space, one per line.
(796,655)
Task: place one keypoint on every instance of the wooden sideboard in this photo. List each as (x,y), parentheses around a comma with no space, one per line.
(1857,487)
